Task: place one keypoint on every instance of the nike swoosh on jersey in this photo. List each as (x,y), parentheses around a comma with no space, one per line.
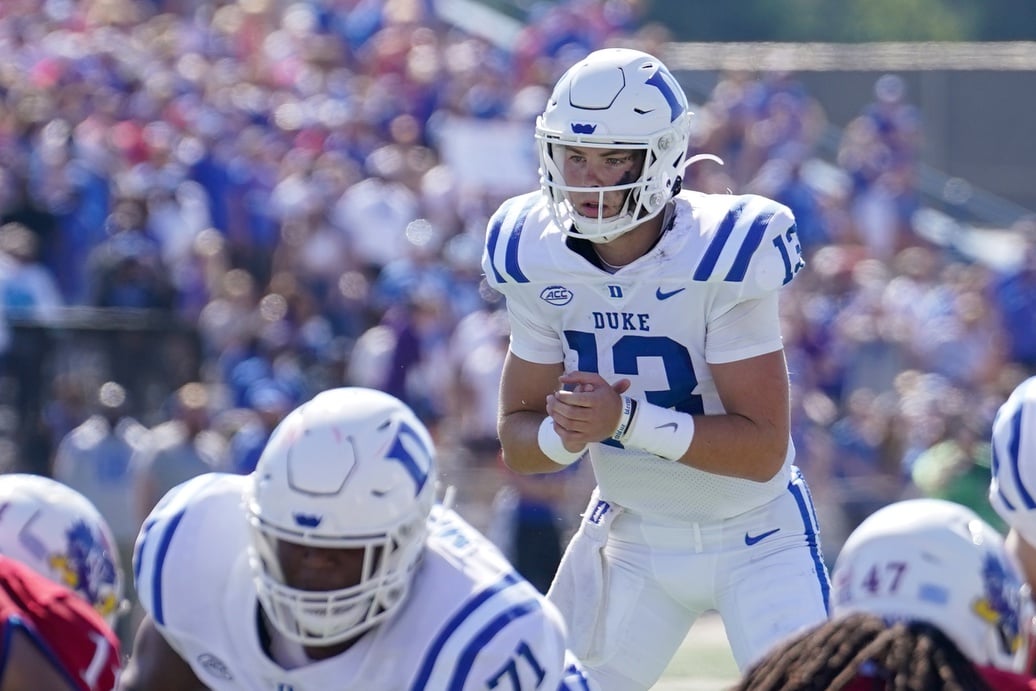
(753,539)
(669,424)
(663,295)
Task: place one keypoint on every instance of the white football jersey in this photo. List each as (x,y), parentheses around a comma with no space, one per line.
(470,621)
(658,321)
(1012,489)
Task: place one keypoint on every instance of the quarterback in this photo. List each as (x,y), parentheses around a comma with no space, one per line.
(645,335)
(329,567)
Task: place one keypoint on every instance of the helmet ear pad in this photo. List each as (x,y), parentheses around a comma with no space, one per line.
(615,99)
(352,471)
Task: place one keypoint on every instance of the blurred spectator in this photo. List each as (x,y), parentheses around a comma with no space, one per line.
(94,458)
(865,476)
(269,405)
(477,349)
(880,150)
(178,449)
(528,523)
(1014,295)
(27,286)
(957,466)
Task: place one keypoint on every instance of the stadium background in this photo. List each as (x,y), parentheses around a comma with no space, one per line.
(269,197)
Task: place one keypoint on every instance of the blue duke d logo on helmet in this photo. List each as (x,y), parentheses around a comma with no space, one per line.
(416,464)
(658,81)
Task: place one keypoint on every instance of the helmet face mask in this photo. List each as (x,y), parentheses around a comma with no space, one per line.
(936,561)
(614,100)
(61,535)
(338,507)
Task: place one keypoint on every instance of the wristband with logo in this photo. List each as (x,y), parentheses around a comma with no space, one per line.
(662,431)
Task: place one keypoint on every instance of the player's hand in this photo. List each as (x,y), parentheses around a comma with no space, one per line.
(585,408)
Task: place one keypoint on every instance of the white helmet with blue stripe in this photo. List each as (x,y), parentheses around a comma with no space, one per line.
(354,470)
(1012,489)
(615,99)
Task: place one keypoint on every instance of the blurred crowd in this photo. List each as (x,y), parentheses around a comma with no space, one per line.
(282,176)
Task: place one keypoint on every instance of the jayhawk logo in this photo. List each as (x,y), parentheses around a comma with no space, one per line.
(87,567)
(1002,602)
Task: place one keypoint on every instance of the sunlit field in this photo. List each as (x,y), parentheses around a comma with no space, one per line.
(704,662)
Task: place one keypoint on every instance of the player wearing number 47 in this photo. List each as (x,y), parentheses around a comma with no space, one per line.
(645,334)
(329,567)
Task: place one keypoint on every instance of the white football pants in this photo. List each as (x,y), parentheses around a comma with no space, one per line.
(630,588)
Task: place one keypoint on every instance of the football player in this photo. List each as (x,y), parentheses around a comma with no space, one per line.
(1012,488)
(60,589)
(925,596)
(645,334)
(329,567)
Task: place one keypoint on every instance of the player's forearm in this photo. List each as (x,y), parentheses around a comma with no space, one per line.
(736,446)
(519,434)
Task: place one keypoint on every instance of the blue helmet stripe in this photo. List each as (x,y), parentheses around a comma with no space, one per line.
(158,613)
(1013,458)
(676,108)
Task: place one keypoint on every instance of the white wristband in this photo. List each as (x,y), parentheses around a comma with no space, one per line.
(662,431)
(552,446)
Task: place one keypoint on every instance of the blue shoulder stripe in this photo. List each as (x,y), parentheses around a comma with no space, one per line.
(575,679)
(466,660)
(715,249)
(749,246)
(436,648)
(511,266)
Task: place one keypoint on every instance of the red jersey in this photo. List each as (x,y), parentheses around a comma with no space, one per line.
(62,624)
(996,679)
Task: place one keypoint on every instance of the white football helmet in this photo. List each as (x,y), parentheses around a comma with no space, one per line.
(60,534)
(1012,486)
(620,99)
(351,469)
(936,561)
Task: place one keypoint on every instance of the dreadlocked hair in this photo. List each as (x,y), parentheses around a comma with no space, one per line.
(902,657)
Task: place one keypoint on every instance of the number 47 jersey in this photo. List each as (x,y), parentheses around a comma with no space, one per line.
(706,293)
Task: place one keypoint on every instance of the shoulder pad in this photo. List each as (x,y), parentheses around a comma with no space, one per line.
(750,240)
(196,531)
(501,260)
